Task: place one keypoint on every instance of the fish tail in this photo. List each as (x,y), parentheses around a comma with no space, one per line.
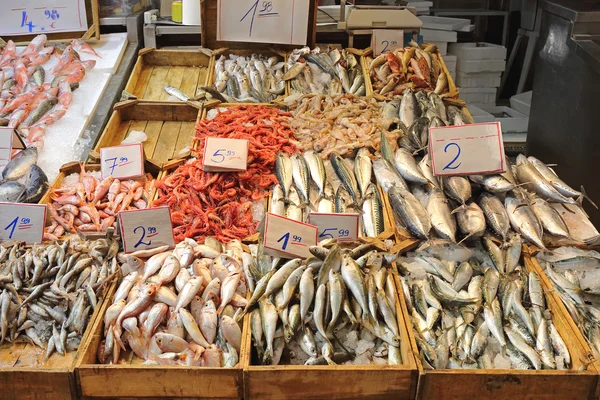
(466,237)
(585,196)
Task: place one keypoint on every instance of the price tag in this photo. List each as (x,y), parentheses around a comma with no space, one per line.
(146,229)
(263,21)
(384,40)
(285,237)
(26,17)
(22,222)
(343,227)
(467,149)
(125,161)
(225,154)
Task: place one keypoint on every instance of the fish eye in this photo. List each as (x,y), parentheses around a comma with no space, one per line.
(159,341)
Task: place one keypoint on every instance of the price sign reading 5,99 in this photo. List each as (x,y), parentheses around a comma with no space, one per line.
(225,154)
(467,149)
(343,227)
(22,222)
(287,238)
(146,229)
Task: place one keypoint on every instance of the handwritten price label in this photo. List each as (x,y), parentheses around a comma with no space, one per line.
(258,20)
(26,17)
(6,137)
(225,154)
(343,227)
(384,40)
(24,222)
(287,238)
(125,161)
(146,229)
(467,149)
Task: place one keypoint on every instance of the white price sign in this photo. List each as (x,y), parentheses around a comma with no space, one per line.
(263,21)
(22,222)
(6,136)
(30,17)
(285,237)
(125,161)
(146,229)
(225,154)
(343,227)
(467,149)
(384,40)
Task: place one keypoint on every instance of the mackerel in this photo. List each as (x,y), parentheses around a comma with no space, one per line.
(346,177)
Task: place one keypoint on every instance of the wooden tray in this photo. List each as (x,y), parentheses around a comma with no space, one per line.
(170,128)
(510,384)
(186,70)
(25,375)
(452,89)
(289,382)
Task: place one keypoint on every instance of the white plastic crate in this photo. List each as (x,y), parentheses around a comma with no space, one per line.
(521,102)
(450,61)
(478,95)
(482,79)
(442,47)
(432,35)
(442,23)
(469,66)
(511,120)
(478,51)
(480,115)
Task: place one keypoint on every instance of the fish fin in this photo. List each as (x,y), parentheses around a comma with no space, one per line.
(593,241)
(585,196)
(459,208)
(466,237)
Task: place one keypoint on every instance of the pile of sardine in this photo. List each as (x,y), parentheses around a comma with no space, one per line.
(413,67)
(479,310)
(575,274)
(324,72)
(22,180)
(338,185)
(49,291)
(253,79)
(178,307)
(317,308)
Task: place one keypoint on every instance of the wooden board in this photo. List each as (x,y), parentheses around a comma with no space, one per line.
(289,382)
(187,70)
(170,128)
(580,382)
(25,375)
(131,379)
(208,26)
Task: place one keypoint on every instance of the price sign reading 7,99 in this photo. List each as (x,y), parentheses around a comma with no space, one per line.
(22,222)
(146,229)
(287,238)
(225,154)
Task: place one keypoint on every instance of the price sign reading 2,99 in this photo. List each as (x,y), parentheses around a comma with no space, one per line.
(146,229)
(225,154)
(467,149)
(22,222)
(343,227)
(285,237)
(384,40)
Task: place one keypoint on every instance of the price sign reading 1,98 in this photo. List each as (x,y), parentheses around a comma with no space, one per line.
(384,40)
(287,238)
(22,222)
(343,227)
(146,229)
(225,154)
(126,161)
(467,149)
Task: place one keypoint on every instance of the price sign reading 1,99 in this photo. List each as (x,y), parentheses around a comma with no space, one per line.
(146,229)
(22,222)
(287,238)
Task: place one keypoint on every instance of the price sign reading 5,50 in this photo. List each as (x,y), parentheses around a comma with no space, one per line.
(22,222)
(225,154)
(343,227)
(138,234)
(287,238)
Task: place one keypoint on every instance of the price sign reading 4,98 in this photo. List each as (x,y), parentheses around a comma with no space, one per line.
(225,154)
(343,227)
(26,17)
(287,238)
(146,229)
(22,222)
(125,161)
(467,149)
(384,40)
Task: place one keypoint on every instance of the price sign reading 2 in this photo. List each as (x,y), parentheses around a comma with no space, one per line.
(386,43)
(142,232)
(138,234)
(451,165)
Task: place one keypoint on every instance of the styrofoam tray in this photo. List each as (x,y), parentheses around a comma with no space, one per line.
(521,102)
(430,35)
(478,51)
(480,115)
(334,11)
(478,95)
(511,120)
(482,79)
(468,66)
(443,23)
(442,47)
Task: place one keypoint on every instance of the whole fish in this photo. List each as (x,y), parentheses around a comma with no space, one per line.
(173,91)
(20,165)
(346,176)
(409,210)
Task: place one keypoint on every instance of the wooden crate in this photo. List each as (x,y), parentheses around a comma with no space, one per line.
(452,89)
(134,380)
(510,384)
(289,382)
(170,128)
(186,70)
(25,375)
